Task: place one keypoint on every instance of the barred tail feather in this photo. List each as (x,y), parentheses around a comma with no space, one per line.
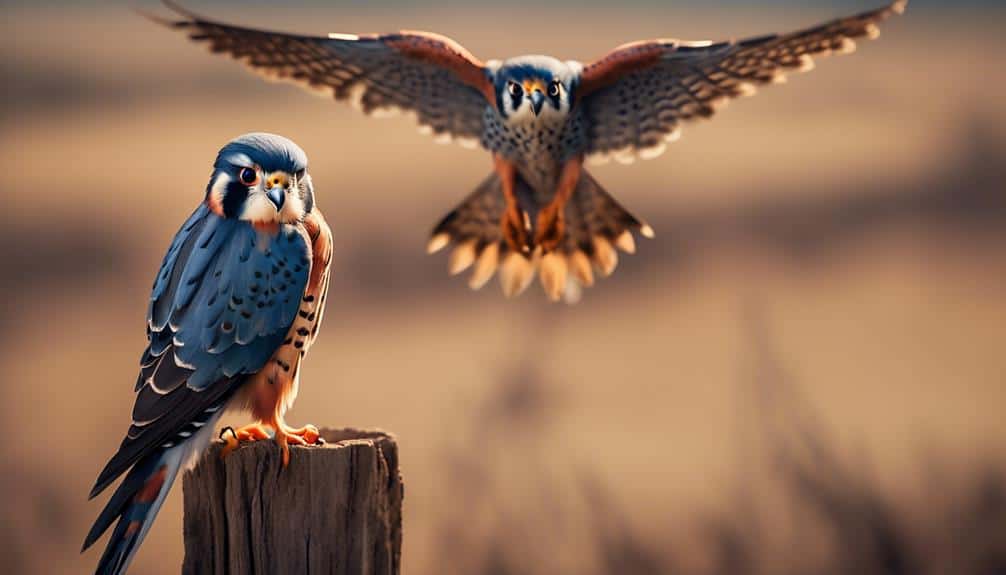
(139,497)
(596,225)
(135,504)
(473,228)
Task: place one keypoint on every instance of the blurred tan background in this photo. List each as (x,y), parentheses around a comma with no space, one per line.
(847,229)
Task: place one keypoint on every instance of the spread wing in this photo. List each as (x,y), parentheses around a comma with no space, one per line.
(429,75)
(223,301)
(637,96)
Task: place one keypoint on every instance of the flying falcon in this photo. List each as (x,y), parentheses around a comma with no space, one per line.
(539,117)
(235,306)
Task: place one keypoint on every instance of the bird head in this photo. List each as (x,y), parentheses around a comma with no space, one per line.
(535,88)
(261,178)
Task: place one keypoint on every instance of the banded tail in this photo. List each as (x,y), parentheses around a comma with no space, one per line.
(135,504)
(596,224)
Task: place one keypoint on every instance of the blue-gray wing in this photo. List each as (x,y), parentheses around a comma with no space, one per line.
(432,76)
(636,97)
(223,301)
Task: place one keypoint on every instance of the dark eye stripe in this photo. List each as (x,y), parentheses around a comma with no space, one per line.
(555,98)
(234,199)
(517,94)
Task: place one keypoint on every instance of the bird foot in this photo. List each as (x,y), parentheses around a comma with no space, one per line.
(285,436)
(233,437)
(551,228)
(308,434)
(516,226)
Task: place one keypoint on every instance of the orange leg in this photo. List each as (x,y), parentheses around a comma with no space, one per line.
(514,222)
(269,395)
(551,224)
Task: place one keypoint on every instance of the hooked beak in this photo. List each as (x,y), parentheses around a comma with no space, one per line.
(537,101)
(275,188)
(276,195)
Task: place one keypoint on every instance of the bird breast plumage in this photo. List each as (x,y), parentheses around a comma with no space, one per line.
(538,148)
(274,388)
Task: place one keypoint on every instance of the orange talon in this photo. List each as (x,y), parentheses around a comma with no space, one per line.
(514,225)
(551,224)
(514,222)
(233,437)
(231,441)
(284,448)
(252,432)
(308,433)
(551,227)
(285,437)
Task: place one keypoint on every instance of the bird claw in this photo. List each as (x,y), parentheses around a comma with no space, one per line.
(516,226)
(309,434)
(284,437)
(304,436)
(231,443)
(224,431)
(234,437)
(551,228)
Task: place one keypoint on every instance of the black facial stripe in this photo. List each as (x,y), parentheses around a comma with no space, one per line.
(555,99)
(234,198)
(518,99)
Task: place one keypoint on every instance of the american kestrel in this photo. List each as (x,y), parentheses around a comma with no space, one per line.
(235,306)
(539,117)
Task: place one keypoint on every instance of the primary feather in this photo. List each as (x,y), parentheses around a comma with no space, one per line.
(539,118)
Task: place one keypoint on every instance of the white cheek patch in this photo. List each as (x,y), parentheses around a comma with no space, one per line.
(219,189)
(293,207)
(258,208)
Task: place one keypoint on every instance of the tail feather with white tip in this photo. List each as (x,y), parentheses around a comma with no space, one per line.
(596,225)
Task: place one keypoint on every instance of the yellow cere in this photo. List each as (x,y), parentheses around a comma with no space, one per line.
(277,180)
(534,84)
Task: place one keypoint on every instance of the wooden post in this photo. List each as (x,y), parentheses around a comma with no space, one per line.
(336,508)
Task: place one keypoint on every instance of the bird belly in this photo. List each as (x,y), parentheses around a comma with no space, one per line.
(537,148)
(272,390)
(537,164)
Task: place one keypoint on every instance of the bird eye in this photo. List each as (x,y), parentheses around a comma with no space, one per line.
(553,89)
(248,176)
(514,89)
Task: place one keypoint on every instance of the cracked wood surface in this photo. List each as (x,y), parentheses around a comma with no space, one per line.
(337,508)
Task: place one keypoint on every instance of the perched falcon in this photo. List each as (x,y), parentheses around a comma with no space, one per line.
(539,210)
(235,306)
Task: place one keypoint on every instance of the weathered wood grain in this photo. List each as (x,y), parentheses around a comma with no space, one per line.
(336,509)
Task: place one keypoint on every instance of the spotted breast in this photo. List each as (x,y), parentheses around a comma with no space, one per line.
(272,390)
